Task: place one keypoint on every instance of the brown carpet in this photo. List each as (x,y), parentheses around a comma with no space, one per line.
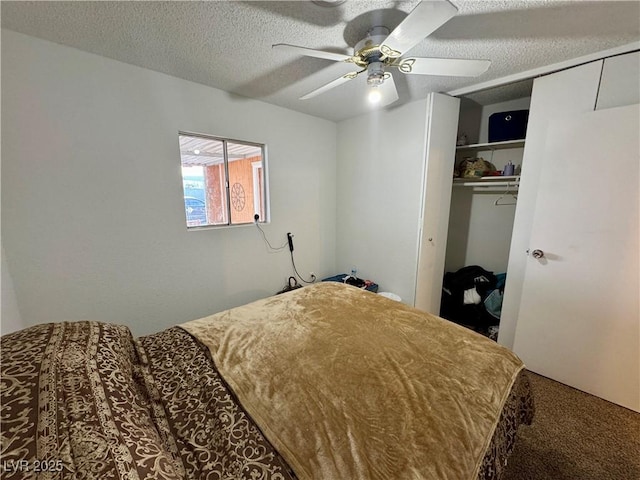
(575,436)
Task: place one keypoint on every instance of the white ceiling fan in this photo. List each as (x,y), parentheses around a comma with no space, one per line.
(380,51)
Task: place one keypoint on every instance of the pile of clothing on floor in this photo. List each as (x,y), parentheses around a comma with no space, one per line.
(472,296)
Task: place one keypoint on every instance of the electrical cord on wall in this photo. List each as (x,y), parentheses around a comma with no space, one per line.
(293,262)
(313,277)
(288,243)
(271,248)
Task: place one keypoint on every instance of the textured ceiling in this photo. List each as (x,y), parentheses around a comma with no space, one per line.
(227,44)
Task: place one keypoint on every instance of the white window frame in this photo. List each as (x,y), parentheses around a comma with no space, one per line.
(226,184)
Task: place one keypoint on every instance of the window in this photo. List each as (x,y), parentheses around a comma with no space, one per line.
(223,180)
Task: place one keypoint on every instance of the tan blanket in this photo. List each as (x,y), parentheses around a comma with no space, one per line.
(347,384)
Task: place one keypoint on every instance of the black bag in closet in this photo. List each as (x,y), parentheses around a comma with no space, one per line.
(508,125)
(477,283)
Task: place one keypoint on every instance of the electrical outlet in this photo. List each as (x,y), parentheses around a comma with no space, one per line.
(313,276)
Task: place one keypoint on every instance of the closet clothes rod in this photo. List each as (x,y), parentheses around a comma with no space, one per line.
(486,184)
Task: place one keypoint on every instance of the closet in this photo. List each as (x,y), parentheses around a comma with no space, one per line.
(571,305)
(483,208)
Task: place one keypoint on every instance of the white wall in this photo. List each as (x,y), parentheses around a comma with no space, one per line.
(10,314)
(380,165)
(620,84)
(469,120)
(479,231)
(93,223)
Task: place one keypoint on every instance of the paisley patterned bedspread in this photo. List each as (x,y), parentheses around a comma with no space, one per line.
(86,400)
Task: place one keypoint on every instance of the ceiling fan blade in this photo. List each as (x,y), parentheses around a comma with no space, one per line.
(330,85)
(310,52)
(449,67)
(423,20)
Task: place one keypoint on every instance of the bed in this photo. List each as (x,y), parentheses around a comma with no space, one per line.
(324,382)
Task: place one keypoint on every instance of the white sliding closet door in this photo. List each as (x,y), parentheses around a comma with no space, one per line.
(579,320)
(440,153)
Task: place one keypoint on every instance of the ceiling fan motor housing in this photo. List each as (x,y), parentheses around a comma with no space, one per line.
(368,49)
(367,55)
(375,73)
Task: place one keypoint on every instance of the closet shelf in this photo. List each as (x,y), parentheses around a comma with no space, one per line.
(477,147)
(493,181)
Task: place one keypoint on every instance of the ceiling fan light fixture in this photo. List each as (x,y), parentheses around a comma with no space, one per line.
(381,50)
(375,74)
(375,95)
(375,80)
